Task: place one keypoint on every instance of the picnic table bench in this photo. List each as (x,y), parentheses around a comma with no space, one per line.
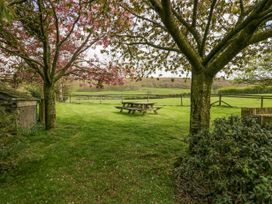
(142,107)
(263,115)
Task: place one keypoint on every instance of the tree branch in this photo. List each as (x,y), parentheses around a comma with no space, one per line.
(155,46)
(79,50)
(31,62)
(207,28)
(229,37)
(190,28)
(242,9)
(156,5)
(232,49)
(194,13)
(165,12)
(73,26)
(157,24)
(46,46)
(54,64)
(260,36)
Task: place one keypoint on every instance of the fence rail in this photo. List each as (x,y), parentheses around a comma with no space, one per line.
(220,98)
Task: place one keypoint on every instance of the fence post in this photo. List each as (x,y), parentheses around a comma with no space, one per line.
(262,100)
(220,100)
(100,99)
(181,100)
(70,98)
(147,97)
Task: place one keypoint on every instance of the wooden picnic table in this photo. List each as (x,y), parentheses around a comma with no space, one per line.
(142,107)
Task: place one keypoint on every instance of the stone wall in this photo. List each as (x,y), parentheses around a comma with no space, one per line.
(26,114)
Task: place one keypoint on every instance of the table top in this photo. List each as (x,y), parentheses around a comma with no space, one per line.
(139,103)
(264,115)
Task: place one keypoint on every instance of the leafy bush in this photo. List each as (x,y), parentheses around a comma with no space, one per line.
(231,164)
(246,90)
(34,91)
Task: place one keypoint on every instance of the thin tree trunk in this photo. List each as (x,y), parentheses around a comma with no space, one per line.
(50,106)
(200,102)
(61,91)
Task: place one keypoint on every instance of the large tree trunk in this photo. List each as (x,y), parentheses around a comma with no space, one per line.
(49,106)
(200,102)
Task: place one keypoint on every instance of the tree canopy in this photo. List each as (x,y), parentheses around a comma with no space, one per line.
(53,39)
(258,71)
(204,37)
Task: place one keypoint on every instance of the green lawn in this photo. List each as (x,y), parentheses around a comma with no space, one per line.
(98,155)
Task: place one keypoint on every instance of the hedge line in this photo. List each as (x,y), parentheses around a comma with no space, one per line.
(246,90)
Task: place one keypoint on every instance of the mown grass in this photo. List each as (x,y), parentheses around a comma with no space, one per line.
(98,155)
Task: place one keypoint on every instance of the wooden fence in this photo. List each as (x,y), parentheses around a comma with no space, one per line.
(221,102)
(104,98)
(122,97)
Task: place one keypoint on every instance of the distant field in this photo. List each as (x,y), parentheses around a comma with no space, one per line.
(152,83)
(139,91)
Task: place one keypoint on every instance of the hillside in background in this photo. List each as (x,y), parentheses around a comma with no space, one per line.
(174,84)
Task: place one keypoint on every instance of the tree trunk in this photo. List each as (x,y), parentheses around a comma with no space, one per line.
(200,102)
(50,106)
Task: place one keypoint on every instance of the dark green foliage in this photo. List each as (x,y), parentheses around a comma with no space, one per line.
(7,125)
(12,92)
(35,91)
(246,90)
(231,164)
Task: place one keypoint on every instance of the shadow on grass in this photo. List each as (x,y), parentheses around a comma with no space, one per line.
(136,114)
(95,148)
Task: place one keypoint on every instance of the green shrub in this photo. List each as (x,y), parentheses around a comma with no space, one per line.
(246,90)
(34,91)
(230,164)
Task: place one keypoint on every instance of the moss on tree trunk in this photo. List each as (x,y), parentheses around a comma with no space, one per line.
(200,102)
(49,106)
